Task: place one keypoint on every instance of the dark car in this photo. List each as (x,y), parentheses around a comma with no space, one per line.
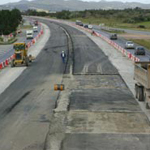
(113,37)
(85,25)
(78,22)
(139,50)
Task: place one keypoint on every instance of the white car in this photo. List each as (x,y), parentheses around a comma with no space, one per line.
(90,26)
(29,34)
(129,44)
(35,28)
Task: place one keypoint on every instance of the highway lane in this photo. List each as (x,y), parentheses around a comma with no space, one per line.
(121,42)
(8,49)
(88,59)
(27,105)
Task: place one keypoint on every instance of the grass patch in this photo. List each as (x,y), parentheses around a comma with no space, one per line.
(114,31)
(142,42)
(25,27)
(13,40)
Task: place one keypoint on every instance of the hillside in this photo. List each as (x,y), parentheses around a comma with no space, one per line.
(59,5)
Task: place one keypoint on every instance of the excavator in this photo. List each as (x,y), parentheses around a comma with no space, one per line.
(21,55)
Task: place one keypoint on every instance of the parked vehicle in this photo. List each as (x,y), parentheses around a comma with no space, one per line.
(129,45)
(113,37)
(140,50)
(142,86)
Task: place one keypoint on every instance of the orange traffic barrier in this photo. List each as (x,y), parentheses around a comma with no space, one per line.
(6,62)
(59,87)
(1,66)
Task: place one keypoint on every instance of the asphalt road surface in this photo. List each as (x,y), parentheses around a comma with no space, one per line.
(103,113)
(26,106)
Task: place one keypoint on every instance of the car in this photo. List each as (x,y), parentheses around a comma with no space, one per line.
(140,50)
(78,22)
(35,28)
(36,23)
(129,45)
(29,34)
(90,26)
(113,37)
(85,25)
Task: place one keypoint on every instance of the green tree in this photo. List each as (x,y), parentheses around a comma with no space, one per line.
(9,21)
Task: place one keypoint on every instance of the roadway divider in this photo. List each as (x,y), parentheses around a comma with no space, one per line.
(29,44)
(112,43)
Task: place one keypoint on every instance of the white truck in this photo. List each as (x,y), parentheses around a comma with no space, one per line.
(29,34)
(142,86)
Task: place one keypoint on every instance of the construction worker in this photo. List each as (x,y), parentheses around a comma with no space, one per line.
(63,56)
(92,33)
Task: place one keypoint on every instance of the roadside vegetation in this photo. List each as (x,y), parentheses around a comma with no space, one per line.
(143,42)
(136,18)
(9,21)
(10,41)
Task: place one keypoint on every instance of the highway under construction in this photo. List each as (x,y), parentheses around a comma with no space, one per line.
(95,111)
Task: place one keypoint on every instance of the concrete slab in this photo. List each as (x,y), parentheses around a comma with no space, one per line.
(103,100)
(106,142)
(106,122)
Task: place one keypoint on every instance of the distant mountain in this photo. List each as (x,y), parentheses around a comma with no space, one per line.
(59,5)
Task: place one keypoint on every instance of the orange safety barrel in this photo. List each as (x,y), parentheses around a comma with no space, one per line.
(59,87)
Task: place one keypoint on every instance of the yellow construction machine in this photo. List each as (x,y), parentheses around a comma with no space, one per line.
(21,55)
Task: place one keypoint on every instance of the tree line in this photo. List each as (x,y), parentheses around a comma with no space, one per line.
(31,12)
(9,21)
(135,15)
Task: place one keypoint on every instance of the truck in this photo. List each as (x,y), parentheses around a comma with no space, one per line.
(29,34)
(142,85)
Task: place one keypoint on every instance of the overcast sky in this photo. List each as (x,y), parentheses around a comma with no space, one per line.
(142,1)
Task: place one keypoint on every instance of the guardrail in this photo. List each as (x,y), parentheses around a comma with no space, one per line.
(29,44)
